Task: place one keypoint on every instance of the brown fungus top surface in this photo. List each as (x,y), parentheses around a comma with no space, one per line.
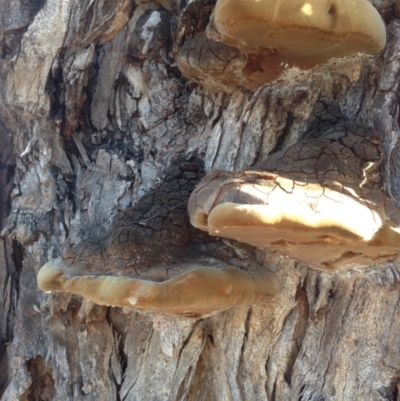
(319,201)
(252,42)
(152,259)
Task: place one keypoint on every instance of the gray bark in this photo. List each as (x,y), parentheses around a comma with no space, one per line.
(93,110)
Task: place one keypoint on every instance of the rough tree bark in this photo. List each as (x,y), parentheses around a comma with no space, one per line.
(93,110)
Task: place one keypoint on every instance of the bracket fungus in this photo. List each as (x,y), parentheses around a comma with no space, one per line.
(277,34)
(214,65)
(150,260)
(199,292)
(319,201)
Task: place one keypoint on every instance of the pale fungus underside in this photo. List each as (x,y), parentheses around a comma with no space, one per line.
(258,39)
(319,201)
(201,291)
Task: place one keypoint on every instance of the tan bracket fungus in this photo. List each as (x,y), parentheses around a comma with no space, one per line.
(319,201)
(199,292)
(277,34)
(151,260)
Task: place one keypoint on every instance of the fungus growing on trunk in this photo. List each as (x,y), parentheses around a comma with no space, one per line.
(147,260)
(214,65)
(319,201)
(198,292)
(302,33)
(262,38)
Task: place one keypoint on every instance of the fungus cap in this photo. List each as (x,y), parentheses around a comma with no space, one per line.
(324,227)
(199,292)
(302,28)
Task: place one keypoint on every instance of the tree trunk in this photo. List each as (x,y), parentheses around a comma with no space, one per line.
(93,111)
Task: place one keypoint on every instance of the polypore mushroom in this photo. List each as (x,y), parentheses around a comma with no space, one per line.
(150,243)
(319,202)
(198,292)
(276,34)
(301,33)
(214,65)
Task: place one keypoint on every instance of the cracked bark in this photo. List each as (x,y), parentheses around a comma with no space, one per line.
(104,72)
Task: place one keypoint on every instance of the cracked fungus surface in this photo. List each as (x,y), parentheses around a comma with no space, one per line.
(252,42)
(319,201)
(151,259)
